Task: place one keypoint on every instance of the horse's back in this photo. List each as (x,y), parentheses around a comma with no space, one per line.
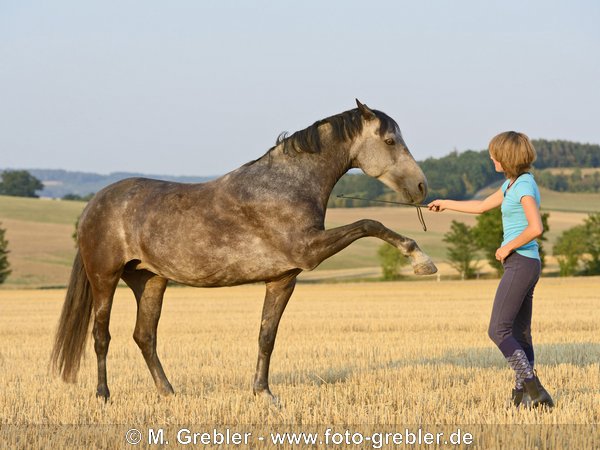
(139,187)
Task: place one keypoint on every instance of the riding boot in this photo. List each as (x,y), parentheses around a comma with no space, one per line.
(539,395)
(517,396)
(520,397)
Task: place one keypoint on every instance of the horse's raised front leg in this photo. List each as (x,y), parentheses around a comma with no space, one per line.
(276,299)
(323,244)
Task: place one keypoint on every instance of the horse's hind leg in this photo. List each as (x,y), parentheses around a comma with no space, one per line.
(149,290)
(103,290)
(276,299)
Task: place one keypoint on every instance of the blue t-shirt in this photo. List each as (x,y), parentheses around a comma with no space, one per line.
(513,215)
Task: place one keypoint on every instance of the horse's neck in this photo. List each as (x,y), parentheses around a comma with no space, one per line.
(319,172)
(304,175)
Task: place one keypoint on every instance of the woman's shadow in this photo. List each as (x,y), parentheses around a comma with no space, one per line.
(578,354)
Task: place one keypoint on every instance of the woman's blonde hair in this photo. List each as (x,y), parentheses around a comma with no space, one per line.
(514,151)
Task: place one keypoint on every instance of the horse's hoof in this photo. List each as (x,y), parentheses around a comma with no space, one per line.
(267,397)
(165,391)
(425,268)
(103,393)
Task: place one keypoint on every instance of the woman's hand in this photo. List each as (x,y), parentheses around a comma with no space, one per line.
(502,253)
(436,206)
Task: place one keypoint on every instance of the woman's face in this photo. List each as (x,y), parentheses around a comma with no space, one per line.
(497,164)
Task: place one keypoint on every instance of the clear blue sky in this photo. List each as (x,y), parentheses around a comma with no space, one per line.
(201,87)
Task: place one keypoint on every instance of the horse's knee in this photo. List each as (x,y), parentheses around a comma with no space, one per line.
(266,342)
(371,227)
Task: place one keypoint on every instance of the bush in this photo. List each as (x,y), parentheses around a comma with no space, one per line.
(391,261)
(569,249)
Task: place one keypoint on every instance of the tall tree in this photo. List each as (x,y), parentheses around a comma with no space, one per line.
(4,265)
(462,249)
(19,183)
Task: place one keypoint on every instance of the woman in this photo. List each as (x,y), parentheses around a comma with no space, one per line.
(510,324)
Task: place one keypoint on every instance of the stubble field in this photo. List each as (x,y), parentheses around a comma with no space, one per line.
(361,356)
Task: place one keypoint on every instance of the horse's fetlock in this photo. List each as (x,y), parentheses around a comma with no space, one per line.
(410,246)
(261,388)
(102,392)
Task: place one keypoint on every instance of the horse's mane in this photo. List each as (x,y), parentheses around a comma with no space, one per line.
(344,127)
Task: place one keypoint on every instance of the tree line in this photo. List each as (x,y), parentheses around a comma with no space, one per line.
(569,181)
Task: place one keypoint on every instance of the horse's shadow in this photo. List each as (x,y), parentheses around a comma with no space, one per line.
(578,354)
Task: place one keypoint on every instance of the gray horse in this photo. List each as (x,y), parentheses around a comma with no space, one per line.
(261,222)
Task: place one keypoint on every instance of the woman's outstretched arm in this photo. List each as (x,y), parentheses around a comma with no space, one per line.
(469,206)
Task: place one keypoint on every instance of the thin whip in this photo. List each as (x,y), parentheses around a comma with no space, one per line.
(416,205)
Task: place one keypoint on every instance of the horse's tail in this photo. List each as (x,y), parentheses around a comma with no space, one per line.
(71,335)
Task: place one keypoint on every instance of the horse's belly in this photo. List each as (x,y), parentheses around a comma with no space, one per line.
(226,278)
(215,273)
(211,255)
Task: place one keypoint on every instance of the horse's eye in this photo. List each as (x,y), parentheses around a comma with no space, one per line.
(390,141)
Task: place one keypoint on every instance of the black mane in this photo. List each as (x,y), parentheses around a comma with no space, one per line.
(344,126)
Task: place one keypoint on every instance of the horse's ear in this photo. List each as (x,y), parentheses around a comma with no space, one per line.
(365,112)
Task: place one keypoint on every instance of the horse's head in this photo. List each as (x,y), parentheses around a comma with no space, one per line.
(381,153)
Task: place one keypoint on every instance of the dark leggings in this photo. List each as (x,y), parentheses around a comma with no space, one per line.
(510,325)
